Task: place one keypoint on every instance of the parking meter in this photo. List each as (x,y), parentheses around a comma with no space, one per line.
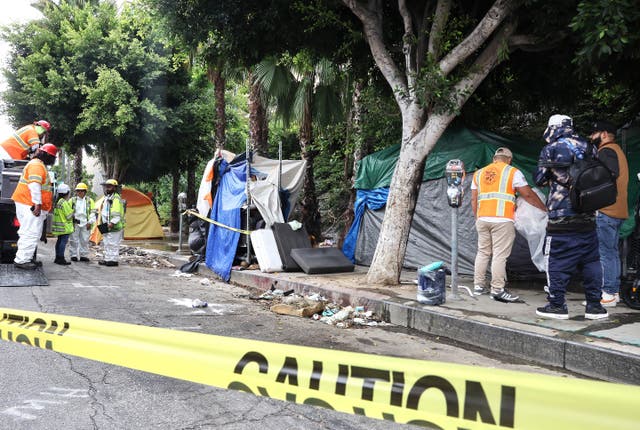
(454,173)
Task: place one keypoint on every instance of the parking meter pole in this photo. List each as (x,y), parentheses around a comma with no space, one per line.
(455,174)
(180,235)
(182,206)
(454,253)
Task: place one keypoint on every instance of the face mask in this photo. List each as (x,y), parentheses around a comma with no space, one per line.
(596,140)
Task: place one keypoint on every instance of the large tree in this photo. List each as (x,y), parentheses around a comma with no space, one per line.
(447,49)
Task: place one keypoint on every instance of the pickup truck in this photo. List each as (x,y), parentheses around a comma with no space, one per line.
(10,171)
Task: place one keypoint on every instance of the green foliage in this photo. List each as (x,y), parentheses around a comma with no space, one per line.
(607,29)
(436,92)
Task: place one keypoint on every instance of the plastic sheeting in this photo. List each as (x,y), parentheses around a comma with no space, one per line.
(264,192)
(222,243)
(475,148)
(430,234)
(365,199)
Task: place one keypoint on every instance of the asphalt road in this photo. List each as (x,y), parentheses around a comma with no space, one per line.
(42,389)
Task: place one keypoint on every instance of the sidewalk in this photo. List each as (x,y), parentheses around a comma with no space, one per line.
(606,349)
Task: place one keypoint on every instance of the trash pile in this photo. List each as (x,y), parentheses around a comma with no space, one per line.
(317,307)
(139,257)
(135,256)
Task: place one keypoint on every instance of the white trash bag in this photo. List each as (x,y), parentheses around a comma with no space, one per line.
(531,223)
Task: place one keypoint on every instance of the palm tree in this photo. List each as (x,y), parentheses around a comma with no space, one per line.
(305,90)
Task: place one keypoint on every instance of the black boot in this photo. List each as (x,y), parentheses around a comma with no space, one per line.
(61,261)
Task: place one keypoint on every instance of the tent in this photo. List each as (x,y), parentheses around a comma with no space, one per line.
(141,219)
(430,234)
(222,194)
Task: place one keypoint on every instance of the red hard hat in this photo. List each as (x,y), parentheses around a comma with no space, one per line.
(44,124)
(50,149)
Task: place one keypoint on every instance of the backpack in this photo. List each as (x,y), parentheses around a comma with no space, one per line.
(592,185)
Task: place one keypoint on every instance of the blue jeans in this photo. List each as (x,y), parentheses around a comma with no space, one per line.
(61,244)
(608,236)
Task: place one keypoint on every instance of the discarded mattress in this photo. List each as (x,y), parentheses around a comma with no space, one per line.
(288,239)
(322,260)
(264,245)
(11,276)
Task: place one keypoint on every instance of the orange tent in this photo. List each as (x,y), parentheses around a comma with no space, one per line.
(141,219)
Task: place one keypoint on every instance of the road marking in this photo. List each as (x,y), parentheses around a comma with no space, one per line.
(19,411)
(79,285)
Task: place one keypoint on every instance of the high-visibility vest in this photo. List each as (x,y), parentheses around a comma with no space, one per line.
(62,218)
(496,196)
(18,145)
(114,206)
(34,171)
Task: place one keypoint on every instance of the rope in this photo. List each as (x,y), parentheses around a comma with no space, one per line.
(209,220)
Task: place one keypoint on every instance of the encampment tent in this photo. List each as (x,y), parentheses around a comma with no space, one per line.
(141,219)
(430,234)
(222,194)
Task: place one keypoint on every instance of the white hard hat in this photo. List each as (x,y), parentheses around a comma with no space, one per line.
(557,120)
(63,189)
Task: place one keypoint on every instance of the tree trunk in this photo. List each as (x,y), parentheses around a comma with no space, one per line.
(175,185)
(403,193)
(219,85)
(258,130)
(77,165)
(309,201)
(360,150)
(191,187)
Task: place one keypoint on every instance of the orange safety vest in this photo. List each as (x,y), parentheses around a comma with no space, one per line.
(34,171)
(496,196)
(18,145)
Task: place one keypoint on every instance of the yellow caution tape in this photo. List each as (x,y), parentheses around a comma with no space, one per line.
(209,220)
(432,394)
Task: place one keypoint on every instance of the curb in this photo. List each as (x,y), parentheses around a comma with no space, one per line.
(571,352)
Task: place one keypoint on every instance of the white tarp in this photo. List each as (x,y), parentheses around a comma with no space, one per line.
(263,187)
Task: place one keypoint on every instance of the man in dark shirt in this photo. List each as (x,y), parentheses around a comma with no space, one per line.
(610,218)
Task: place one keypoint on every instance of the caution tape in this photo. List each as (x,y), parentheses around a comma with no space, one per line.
(209,220)
(431,394)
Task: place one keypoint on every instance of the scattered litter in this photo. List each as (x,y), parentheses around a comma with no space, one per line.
(205,281)
(327,243)
(197,303)
(315,306)
(179,274)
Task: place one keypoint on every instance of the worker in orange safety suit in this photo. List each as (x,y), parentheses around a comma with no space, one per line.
(24,141)
(33,198)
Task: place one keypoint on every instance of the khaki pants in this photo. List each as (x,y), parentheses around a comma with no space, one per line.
(495,240)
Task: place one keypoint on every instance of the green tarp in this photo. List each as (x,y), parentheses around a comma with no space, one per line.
(476,148)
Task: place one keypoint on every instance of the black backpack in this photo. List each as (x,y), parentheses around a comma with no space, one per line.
(593,185)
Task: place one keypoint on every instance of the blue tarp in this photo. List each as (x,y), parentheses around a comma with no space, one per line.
(372,199)
(222,243)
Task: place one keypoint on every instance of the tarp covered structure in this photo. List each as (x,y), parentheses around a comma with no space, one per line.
(430,234)
(141,218)
(224,203)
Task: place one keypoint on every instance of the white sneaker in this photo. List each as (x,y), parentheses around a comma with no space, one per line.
(479,290)
(608,300)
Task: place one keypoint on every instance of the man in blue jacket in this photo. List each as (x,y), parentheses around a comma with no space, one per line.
(571,241)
